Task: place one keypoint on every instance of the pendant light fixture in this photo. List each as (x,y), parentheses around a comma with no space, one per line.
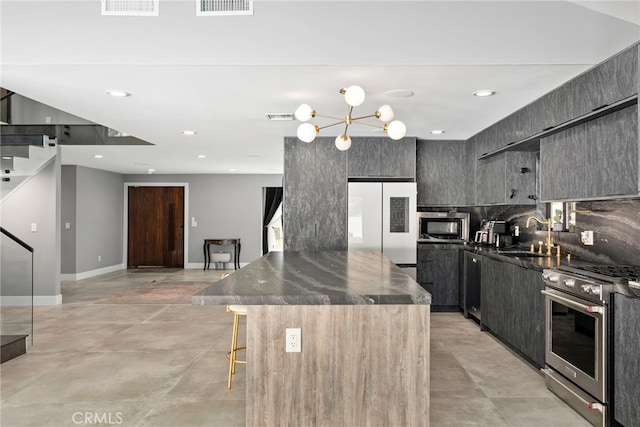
(354,96)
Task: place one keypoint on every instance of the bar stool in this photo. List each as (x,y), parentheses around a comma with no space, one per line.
(237,311)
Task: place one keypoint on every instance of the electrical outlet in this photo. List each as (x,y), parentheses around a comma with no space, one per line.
(586,237)
(99,258)
(293,340)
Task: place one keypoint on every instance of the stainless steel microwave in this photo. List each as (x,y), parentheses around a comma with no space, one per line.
(438,227)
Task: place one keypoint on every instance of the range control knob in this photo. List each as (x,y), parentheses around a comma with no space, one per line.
(586,289)
(570,283)
(550,277)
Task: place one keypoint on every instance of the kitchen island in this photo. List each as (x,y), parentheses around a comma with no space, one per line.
(364,333)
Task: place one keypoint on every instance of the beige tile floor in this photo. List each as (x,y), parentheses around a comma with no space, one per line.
(161,365)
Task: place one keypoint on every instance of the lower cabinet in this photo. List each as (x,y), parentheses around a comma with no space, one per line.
(513,306)
(438,271)
(626,357)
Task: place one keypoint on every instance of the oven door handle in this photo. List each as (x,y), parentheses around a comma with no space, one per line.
(574,304)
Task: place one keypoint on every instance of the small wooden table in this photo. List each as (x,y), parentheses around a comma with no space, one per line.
(221,242)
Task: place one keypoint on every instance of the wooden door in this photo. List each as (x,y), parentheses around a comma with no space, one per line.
(156,227)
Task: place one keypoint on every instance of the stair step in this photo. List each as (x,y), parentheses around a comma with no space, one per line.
(12,346)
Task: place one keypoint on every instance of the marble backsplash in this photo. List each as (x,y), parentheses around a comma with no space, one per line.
(615,225)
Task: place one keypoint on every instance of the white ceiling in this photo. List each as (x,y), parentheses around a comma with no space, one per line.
(220,75)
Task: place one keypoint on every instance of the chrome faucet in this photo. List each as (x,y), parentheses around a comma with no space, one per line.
(547,222)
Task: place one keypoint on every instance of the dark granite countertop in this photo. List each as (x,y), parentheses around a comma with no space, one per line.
(316,278)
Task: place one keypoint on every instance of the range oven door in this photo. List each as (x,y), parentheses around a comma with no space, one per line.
(576,340)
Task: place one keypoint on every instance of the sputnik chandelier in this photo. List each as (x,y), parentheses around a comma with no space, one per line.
(354,96)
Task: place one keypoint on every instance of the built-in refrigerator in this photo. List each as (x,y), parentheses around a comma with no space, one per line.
(382,217)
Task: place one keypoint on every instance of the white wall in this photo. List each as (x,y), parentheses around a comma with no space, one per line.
(36,201)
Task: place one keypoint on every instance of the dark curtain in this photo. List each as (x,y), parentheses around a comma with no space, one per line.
(272,199)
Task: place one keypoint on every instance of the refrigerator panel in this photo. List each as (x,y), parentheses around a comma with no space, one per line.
(399,232)
(365,216)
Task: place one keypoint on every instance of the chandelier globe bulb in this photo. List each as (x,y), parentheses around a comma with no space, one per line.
(303,113)
(385,113)
(343,142)
(354,95)
(307,132)
(396,130)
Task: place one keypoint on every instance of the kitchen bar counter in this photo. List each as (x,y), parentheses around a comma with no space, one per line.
(316,278)
(364,333)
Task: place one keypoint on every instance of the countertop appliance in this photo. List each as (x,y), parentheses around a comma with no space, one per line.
(443,227)
(380,217)
(578,322)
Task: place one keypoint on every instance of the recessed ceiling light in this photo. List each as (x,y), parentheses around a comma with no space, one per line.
(189,132)
(7,157)
(399,93)
(437,131)
(484,92)
(232,170)
(118,93)
(253,155)
(97,156)
(202,156)
(150,171)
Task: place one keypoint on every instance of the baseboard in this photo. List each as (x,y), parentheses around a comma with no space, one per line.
(92,273)
(25,301)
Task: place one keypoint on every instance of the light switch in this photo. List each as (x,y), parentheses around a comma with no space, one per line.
(34,227)
(67,226)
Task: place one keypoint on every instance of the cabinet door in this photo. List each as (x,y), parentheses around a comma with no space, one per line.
(470,172)
(491,180)
(612,144)
(299,202)
(521,177)
(486,141)
(438,272)
(563,160)
(364,157)
(606,83)
(513,128)
(496,297)
(550,110)
(440,174)
(330,193)
(314,196)
(626,360)
(398,158)
(528,311)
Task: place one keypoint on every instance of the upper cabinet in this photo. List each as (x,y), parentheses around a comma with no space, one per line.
(513,128)
(598,159)
(379,157)
(609,82)
(314,195)
(440,173)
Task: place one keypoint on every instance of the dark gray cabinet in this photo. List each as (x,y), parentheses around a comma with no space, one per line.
(550,110)
(380,157)
(528,314)
(486,141)
(470,172)
(314,196)
(626,357)
(606,83)
(596,159)
(501,180)
(438,271)
(515,127)
(491,180)
(513,306)
(440,173)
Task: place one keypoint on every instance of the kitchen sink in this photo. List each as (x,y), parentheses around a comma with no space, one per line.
(520,253)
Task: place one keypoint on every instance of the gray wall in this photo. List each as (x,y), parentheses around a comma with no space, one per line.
(36,201)
(99,221)
(68,214)
(225,206)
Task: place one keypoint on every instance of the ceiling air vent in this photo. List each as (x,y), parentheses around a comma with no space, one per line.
(224,7)
(131,7)
(279,116)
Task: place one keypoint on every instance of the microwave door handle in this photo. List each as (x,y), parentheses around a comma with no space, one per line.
(573,304)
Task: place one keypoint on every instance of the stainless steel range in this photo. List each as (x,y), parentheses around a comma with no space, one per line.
(578,322)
